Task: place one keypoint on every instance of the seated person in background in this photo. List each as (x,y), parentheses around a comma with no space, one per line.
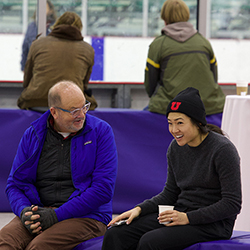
(62,180)
(181,57)
(203,184)
(61,55)
(31,33)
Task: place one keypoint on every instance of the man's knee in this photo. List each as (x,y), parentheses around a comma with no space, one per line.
(14,236)
(37,244)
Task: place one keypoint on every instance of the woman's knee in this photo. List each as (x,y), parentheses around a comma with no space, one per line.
(145,243)
(111,235)
(117,238)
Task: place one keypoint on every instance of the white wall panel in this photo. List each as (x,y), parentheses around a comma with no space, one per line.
(125,58)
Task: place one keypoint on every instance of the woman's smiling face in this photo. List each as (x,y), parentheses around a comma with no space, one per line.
(183,130)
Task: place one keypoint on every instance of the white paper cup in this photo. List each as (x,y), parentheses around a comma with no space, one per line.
(242,87)
(163,208)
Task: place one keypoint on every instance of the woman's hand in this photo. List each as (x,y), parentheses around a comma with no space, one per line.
(128,215)
(174,217)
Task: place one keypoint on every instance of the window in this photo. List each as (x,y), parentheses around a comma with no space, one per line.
(230,19)
(104,17)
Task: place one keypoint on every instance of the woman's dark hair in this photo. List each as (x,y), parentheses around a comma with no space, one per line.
(69,18)
(206,128)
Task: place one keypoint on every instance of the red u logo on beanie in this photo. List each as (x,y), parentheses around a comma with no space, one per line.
(175,105)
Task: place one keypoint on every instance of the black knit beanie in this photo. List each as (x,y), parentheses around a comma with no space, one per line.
(189,103)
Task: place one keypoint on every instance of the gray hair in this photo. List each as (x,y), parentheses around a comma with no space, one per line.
(54,95)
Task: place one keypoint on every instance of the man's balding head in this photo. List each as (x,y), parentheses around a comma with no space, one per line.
(61,88)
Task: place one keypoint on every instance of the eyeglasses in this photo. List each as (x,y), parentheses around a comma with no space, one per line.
(76,112)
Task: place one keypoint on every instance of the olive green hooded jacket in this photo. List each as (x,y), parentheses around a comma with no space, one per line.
(180,58)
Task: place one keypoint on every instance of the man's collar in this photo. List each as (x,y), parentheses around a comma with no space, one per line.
(50,124)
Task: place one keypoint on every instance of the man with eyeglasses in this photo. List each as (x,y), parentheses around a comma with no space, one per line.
(62,179)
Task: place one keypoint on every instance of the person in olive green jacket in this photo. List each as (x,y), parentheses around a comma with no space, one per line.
(179,58)
(62,55)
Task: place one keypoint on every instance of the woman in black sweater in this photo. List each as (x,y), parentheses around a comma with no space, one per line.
(203,185)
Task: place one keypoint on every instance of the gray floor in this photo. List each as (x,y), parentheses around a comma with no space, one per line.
(105,97)
(5,218)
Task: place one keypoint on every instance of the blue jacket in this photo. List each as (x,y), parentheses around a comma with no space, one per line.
(93,167)
(30,36)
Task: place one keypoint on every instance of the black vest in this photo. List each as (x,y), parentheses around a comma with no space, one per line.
(54,181)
